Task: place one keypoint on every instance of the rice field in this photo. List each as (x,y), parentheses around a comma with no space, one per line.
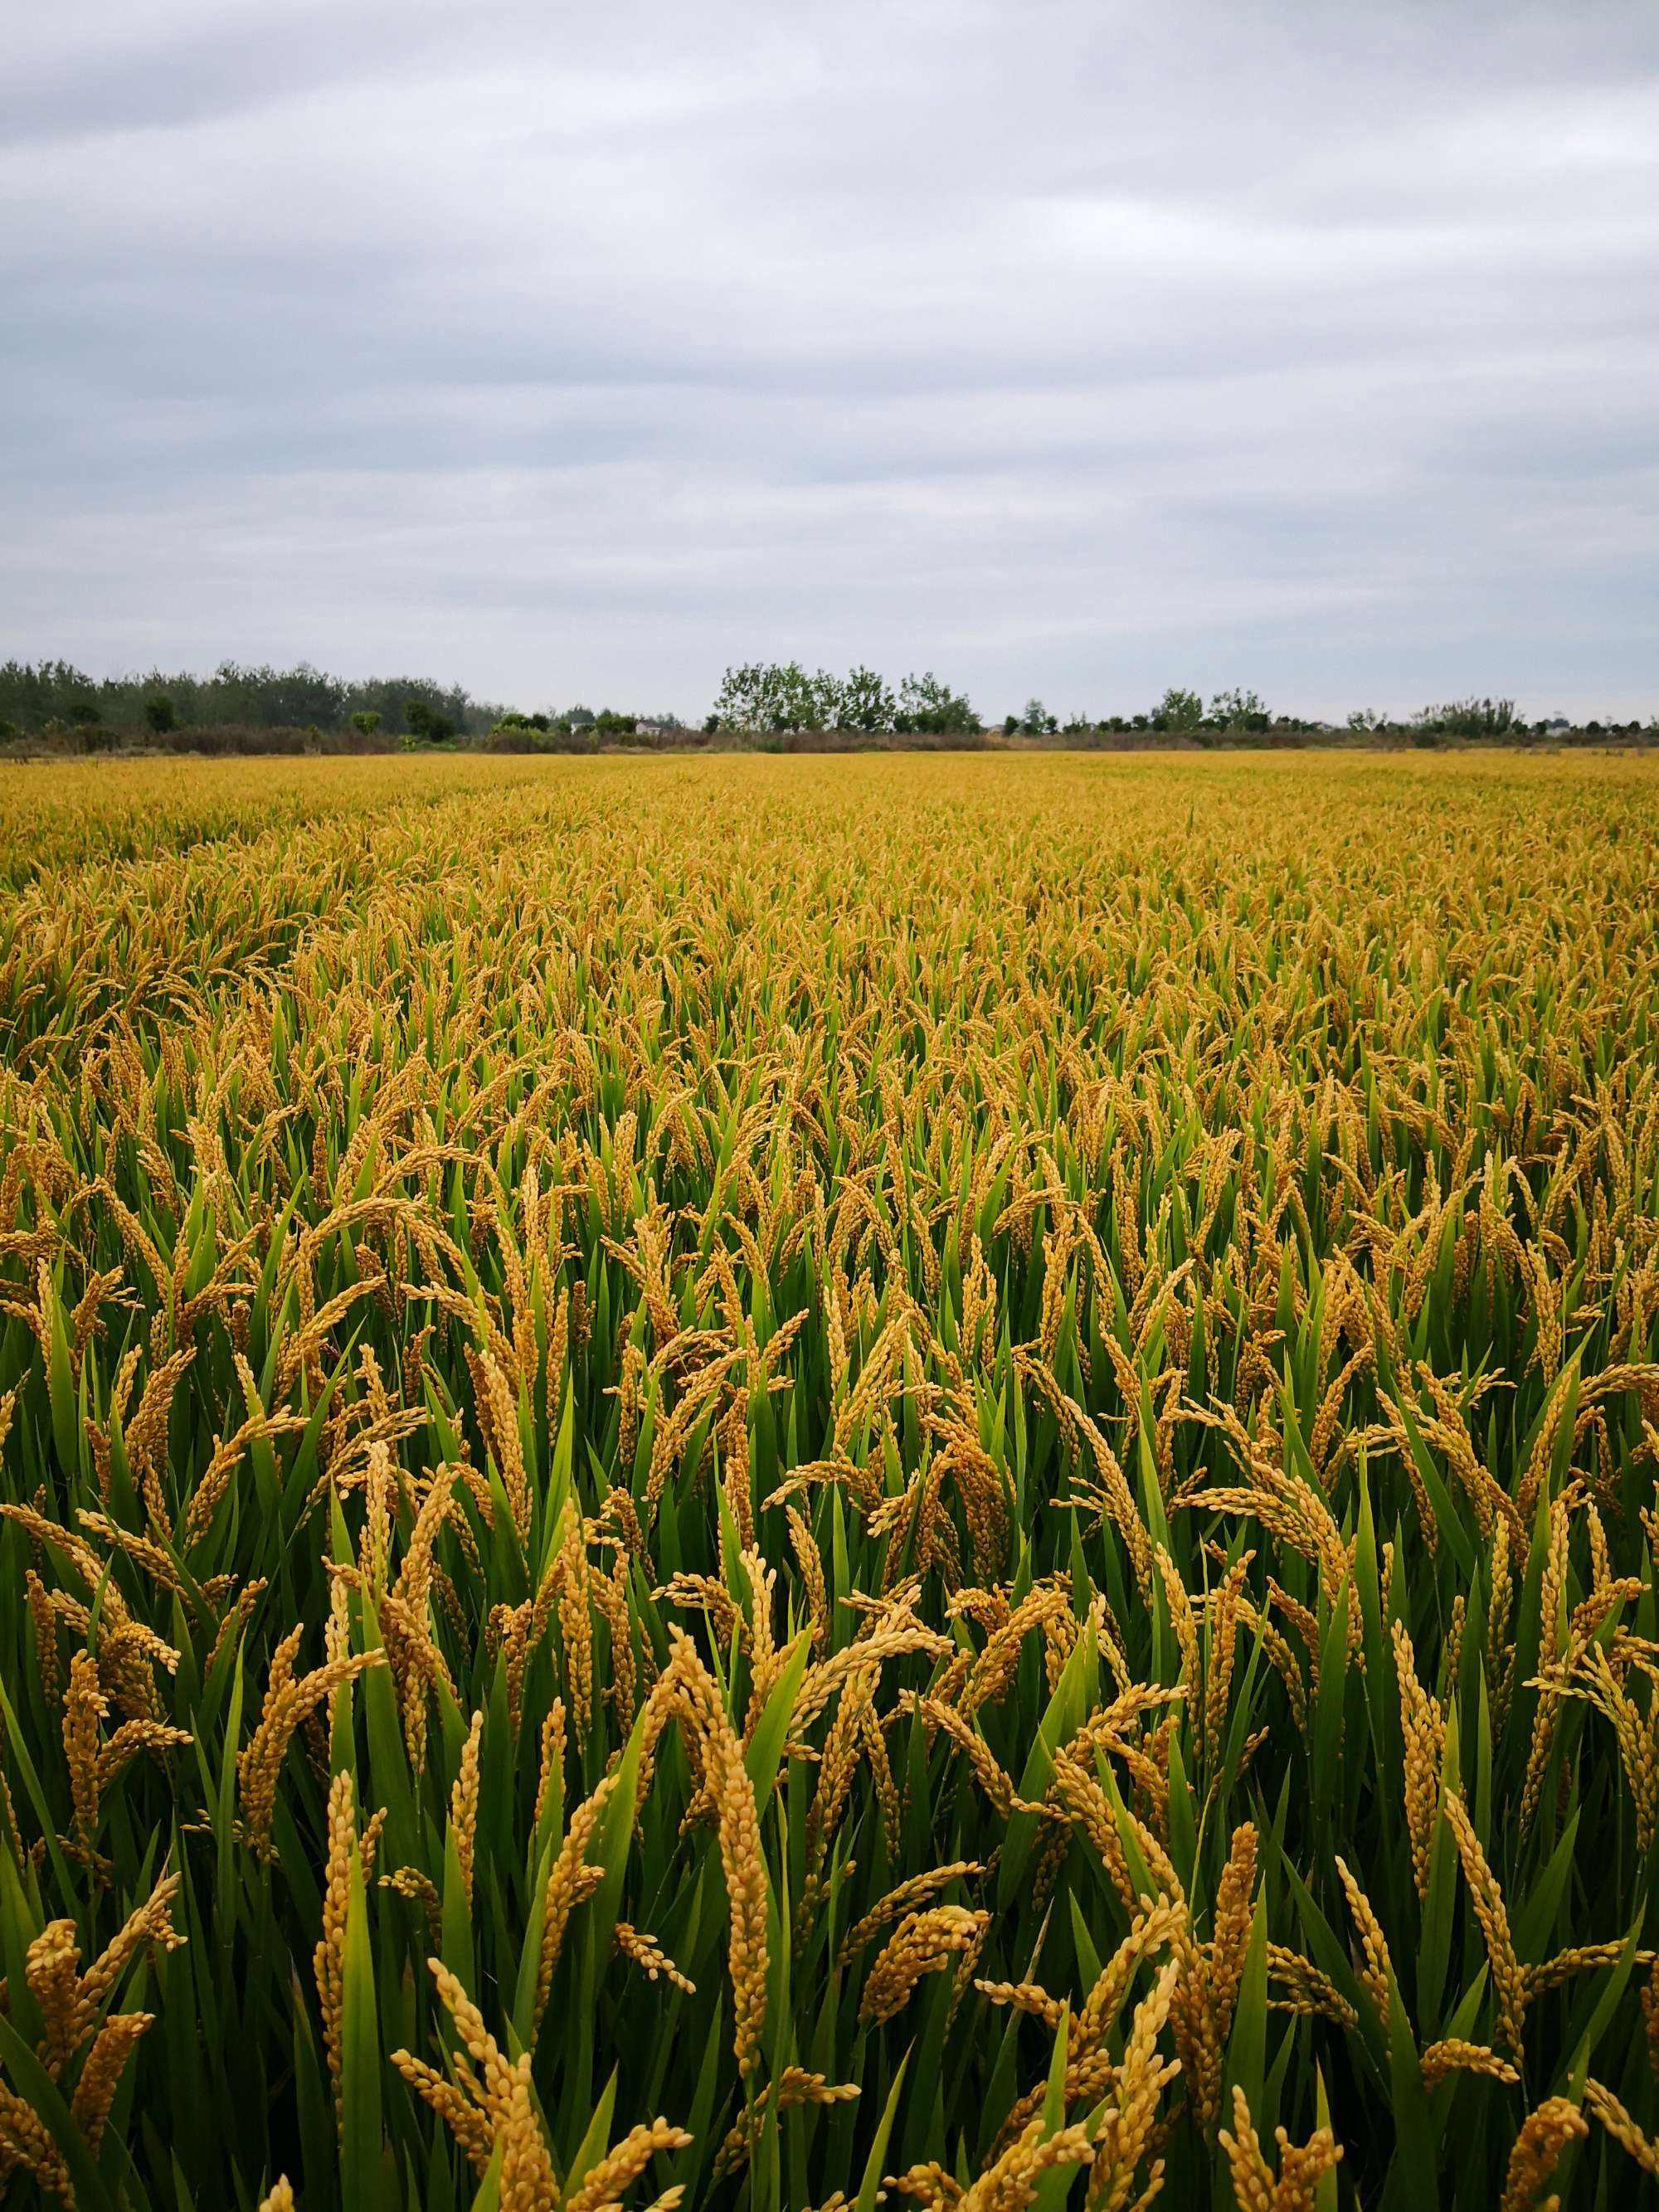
(785,1484)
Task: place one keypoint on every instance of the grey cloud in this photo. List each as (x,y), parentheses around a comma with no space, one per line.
(1064,346)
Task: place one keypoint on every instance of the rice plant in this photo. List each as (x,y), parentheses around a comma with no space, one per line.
(774,1483)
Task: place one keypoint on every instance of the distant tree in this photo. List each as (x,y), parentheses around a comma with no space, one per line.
(1240,710)
(864,701)
(1473,718)
(425,724)
(1178,710)
(84,714)
(366,721)
(1009,724)
(741,701)
(300,698)
(161,714)
(1036,722)
(928,707)
(1367,718)
(773,696)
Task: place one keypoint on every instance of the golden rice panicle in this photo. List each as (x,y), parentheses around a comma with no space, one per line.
(1301,2167)
(288,1703)
(1024,1996)
(1423,1728)
(1133,2116)
(570,1881)
(25,2143)
(101,2071)
(84,1707)
(747,1888)
(793,2088)
(1509,1980)
(147,1925)
(1545,2134)
(553,1746)
(52,1971)
(328,1961)
(622,2167)
(922,1943)
(528,2183)
(488,2106)
(928,2184)
(1012,2181)
(648,1955)
(1607,2108)
(45,1623)
(1232,1937)
(1452,2055)
(464,1806)
(742,1860)
(1377,1973)
(897,1902)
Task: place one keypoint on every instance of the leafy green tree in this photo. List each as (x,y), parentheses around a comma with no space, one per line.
(927,705)
(773,696)
(1178,710)
(1472,718)
(1240,710)
(865,701)
(366,721)
(161,713)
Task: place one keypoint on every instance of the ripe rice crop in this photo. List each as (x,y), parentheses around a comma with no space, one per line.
(741,1483)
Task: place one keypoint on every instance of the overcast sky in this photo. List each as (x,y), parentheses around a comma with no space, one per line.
(1060,346)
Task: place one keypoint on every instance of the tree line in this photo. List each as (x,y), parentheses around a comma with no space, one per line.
(767,705)
(36,697)
(771,697)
